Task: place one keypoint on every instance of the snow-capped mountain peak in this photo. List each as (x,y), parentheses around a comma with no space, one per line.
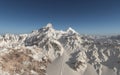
(47,29)
(71,31)
(49,25)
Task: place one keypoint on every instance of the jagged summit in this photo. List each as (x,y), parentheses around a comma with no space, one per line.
(47,28)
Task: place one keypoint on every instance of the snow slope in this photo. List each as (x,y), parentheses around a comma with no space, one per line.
(48,51)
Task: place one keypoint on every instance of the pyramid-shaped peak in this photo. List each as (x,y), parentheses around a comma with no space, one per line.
(71,30)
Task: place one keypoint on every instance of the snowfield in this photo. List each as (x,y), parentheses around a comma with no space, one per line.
(47,51)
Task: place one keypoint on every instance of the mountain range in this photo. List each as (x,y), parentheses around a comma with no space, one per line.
(48,51)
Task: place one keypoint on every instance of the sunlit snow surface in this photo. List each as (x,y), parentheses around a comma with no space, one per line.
(47,51)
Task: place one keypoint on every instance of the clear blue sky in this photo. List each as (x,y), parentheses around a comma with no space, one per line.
(85,16)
